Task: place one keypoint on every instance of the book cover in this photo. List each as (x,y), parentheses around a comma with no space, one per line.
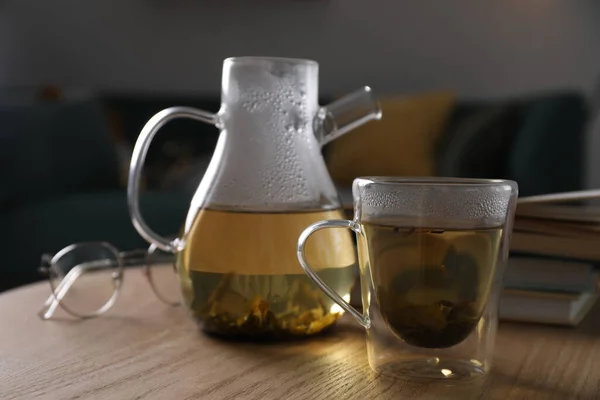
(532,272)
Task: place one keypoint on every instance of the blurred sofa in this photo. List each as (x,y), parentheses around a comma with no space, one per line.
(536,140)
(63,163)
(63,166)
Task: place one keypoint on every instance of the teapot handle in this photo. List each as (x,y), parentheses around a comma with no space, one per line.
(137,161)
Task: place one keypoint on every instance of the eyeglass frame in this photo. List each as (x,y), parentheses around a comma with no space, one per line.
(123,259)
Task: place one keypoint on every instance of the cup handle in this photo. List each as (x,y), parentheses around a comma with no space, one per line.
(333,295)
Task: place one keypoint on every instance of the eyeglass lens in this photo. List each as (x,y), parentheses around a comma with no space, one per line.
(82,277)
(163,276)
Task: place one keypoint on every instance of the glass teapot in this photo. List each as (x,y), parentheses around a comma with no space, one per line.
(266,182)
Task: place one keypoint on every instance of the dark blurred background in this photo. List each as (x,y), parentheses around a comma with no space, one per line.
(501,89)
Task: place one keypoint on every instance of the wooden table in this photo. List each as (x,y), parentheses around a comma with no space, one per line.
(143,349)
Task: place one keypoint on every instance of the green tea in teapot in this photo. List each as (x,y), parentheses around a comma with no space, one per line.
(240,274)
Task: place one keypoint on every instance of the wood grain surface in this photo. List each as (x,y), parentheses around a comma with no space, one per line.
(143,349)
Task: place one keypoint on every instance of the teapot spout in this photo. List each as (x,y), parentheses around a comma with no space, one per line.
(345,114)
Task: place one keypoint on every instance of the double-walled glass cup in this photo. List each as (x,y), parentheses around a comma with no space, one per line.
(432,254)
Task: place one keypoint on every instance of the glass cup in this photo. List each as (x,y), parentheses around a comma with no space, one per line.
(432,254)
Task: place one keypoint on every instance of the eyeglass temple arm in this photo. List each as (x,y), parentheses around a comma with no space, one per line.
(134,257)
(65,284)
(139,257)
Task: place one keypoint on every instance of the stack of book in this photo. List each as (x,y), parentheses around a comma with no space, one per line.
(551,276)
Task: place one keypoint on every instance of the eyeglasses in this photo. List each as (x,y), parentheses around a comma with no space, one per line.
(86,278)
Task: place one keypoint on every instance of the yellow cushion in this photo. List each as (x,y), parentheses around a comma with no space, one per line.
(401,144)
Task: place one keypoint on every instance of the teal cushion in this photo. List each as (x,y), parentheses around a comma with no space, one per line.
(477,145)
(49,149)
(31,230)
(548,153)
